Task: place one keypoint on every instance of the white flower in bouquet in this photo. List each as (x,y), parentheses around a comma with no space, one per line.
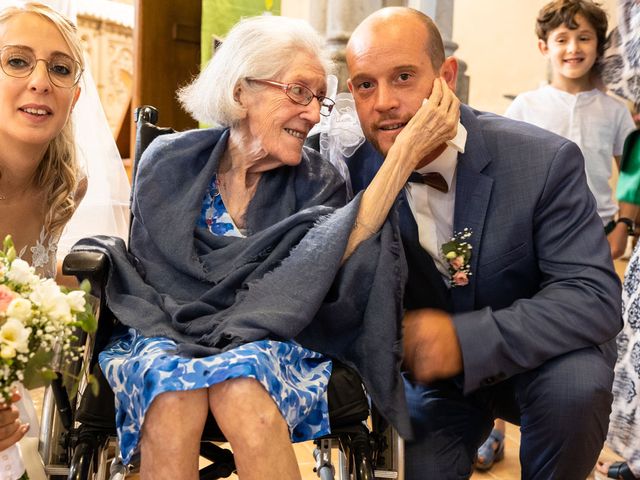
(46,294)
(20,309)
(20,272)
(14,337)
(76,300)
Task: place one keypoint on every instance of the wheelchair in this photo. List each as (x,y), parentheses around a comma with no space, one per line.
(78,442)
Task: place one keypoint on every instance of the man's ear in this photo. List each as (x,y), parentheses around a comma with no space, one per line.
(543,47)
(350,85)
(449,72)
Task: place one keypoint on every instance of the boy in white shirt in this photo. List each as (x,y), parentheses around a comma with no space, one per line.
(571,35)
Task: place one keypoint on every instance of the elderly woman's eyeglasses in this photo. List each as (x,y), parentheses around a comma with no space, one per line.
(20,62)
(300,94)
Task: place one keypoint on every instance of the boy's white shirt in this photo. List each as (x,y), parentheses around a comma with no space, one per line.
(596,122)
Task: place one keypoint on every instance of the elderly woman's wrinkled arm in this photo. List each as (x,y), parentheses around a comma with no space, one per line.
(434,123)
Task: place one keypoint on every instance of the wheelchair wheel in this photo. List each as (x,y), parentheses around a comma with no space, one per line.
(388,454)
(57,420)
(53,440)
(359,453)
(90,459)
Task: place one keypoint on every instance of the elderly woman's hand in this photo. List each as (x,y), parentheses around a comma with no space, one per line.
(11,430)
(435,122)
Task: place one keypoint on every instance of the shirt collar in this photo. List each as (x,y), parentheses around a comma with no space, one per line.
(586,96)
(460,140)
(447,161)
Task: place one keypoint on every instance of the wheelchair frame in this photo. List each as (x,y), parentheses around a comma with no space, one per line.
(75,451)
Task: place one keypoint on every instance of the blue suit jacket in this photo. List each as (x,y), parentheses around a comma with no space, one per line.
(542,281)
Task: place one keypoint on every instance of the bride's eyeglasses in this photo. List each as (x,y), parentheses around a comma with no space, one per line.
(20,62)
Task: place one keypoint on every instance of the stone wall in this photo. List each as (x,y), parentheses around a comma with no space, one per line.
(108,43)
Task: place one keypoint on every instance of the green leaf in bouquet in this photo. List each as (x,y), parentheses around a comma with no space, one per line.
(34,373)
(94,384)
(73,389)
(48,374)
(85,286)
(7,243)
(86,320)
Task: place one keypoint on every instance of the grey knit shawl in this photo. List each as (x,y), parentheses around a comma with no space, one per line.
(283,281)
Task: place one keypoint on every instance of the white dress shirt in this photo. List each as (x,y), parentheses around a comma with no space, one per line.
(432,209)
(596,122)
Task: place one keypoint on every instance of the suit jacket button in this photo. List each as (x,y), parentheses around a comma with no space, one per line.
(489,381)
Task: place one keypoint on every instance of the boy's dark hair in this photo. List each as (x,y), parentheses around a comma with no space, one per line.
(563,12)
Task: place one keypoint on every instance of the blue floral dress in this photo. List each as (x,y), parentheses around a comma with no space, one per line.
(139,368)
(624,422)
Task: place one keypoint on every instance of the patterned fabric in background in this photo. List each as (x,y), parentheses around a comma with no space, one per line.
(624,428)
(621,60)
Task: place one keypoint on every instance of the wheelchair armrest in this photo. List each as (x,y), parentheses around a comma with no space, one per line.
(85,264)
(92,266)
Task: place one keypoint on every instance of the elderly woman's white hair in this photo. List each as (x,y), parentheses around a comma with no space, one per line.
(256,47)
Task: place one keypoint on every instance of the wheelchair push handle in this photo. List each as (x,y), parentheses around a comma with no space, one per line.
(146,113)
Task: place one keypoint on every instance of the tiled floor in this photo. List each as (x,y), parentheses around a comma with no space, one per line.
(507,469)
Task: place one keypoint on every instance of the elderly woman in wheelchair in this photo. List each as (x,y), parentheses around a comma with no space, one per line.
(247,268)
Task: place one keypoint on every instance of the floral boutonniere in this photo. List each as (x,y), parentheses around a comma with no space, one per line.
(457,254)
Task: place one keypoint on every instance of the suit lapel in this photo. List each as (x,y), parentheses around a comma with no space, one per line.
(473,192)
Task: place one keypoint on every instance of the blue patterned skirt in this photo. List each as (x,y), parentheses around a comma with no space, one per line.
(139,368)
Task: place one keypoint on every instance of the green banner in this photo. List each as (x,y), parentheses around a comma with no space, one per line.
(218,16)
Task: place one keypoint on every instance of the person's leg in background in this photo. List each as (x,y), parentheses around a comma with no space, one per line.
(492,450)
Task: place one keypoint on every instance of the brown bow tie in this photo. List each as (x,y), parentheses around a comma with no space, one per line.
(433,179)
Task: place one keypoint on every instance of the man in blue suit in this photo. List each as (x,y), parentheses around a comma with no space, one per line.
(527,333)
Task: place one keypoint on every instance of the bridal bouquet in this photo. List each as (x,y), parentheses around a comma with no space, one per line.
(38,324)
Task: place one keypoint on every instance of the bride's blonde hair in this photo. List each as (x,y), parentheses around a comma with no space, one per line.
(58,172)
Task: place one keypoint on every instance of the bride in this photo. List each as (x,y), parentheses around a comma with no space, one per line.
(99,172)
(105,208)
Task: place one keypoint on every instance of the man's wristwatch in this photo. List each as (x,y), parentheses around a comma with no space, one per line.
(629,223)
